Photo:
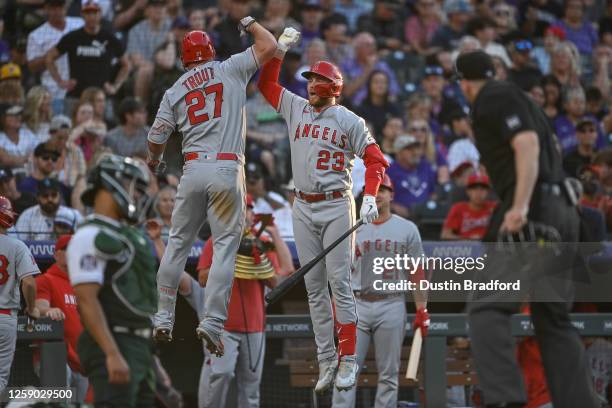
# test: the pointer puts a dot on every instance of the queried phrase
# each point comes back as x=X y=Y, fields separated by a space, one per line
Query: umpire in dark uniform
x=520 y=152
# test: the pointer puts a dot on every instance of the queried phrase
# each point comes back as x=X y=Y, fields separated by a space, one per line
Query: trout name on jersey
x=198 y=78
x=306 y=130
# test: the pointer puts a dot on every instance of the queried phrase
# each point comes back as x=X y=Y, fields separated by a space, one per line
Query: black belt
x=550 y=188
x=145 y=332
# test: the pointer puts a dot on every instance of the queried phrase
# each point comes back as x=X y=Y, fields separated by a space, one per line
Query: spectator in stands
x=584 y=152
x=127 y=14
x=56 y=300
x=130 y=138
x=542 y=54
x=337 y=42
x=501 y=69
x=16 y=141
x=420 y=129
x=412 y=175
x=596 y=105
x=289 y=77
x=164 y=204
x=536 y=93
x=357 y=70
x=266 y=136
x=552 y=96
x=64 y=225
x=44 y=161
x=37 y=112
x=97 y=99
x=8 y=188
x=600 y=76
x=265 y=202
x=418 y=106
x=457 y=14
x=536 y=16
x=470 y=219
x=352 y=10
x=88 y=134
x=91 y=63
x=577 y=28
x=421 y=27
x=483 y=29
x=228 y=40
x=605 y=26
x=385 y=22
x=377 y=107
x=276 y=16
x=565 y=64
x=197 y=19
x=392 y=129
x=574 y=103
x=593 y=193
x=143 y=39
x=45 y=37
x=244 y=336
x=505 y=22
x=311 y=16
x=523 y=71
x=36 y=223
x=11 y=91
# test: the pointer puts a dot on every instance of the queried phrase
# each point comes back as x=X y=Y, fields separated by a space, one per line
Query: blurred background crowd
x=80 y=78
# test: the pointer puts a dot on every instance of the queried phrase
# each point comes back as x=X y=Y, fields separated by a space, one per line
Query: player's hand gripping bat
x=280 y=290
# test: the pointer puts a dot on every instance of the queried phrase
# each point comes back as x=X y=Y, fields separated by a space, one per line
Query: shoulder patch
x=513 y=122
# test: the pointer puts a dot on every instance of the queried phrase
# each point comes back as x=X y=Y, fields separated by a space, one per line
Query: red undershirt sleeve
x=268 y=82
x=375 y=164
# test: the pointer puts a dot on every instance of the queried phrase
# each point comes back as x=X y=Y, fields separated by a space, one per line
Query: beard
x=49 y=208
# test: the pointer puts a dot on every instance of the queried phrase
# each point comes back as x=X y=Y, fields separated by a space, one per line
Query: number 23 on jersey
x=196 y=103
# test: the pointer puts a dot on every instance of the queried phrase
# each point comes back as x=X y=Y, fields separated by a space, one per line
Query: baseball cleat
x=211 y=339
x=162 y=326
x=327 y=373
x=347 y=373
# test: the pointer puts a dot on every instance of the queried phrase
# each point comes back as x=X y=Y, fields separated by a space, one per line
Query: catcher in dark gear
x=112 y=268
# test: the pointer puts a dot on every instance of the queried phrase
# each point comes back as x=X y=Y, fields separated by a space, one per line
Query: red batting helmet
x=7 y=216
x=386 y=182
x=197 y=47
x=328 y=71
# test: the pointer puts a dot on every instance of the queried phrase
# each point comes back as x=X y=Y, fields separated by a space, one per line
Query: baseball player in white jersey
x=17 y=267
x=206 y=104
x=325 y=138
x=382 y=314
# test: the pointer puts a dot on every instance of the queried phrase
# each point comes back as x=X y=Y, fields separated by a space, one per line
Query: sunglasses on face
x=523 y=45
x=47 y=157
x=434 y=71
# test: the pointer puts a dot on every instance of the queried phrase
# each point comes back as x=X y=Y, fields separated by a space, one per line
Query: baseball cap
x=457 y=168
x=474 y=65
x=404 y=141
x=311 y=5
x=523 y=45
x=90 y=5
x=253 y=172
x=42 y=149
x=65 y=219
x=62 y=242
x=478 y=179
x=457 y=6
x=556 y=31
x=585 y=121
x=10 y=71
x=8 y=109
x=249 y=201
x=5 y=174
x=48 y=184
x=60 y=122
x=387 y=183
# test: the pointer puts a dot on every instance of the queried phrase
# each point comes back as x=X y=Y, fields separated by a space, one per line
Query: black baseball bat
x=280 y=290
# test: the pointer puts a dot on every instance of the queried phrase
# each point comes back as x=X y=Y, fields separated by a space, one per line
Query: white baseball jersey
x=16 y=262
x=323 y=144
x=396 y=236
x=207 y=105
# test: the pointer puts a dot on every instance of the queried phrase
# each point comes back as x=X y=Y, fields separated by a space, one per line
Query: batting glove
x=244 y=24
x=421 y=321
x=369 y=212
x=288 y=39
x=156 y=166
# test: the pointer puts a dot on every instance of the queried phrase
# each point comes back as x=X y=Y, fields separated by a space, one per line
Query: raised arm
x=265 y=43
x=268 y=78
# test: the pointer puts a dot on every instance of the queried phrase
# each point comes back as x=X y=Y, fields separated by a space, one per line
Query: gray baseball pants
x=243 y=359
x=212 y=190
x=315 y=226
x=384 y=323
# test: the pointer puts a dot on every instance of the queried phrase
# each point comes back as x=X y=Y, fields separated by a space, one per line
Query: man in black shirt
x=93 y=53
x=583 y=154
x=520 y=152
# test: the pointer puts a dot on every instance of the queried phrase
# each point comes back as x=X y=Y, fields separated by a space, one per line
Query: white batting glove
x=244 y=24
x=288 y=39
x=369 y=211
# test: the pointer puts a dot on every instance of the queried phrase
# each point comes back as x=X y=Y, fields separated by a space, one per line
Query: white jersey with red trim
x=323 y=144
x=16 y=262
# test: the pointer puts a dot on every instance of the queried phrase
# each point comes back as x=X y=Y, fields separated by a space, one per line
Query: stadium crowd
x=83 y=78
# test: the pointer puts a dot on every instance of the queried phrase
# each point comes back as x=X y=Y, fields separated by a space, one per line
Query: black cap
x=474 y=65
x=253 y=172
x=585 y=121
x=43 y=149
x=48 y=184
x=5 y=173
